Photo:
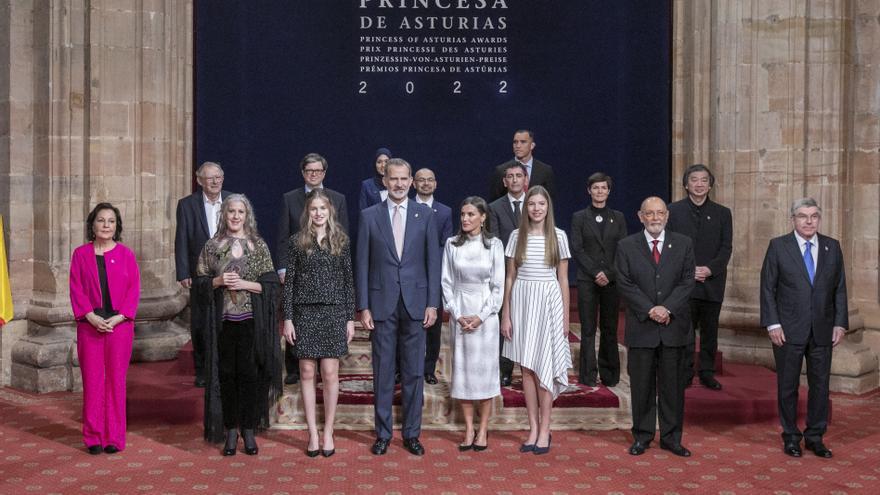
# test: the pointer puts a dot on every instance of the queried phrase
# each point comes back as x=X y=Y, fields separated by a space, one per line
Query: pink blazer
x=123 y=278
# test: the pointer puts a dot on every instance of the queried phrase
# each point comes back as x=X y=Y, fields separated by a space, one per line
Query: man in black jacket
x=595 y=232
x=710 y=227
x=197 y=218
x=538 y=172
x=314 y=170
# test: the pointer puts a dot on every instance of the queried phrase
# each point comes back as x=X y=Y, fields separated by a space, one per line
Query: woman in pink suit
x=104 y=294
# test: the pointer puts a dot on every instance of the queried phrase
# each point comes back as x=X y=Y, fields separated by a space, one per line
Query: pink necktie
x=397 y=228
x=656 y=252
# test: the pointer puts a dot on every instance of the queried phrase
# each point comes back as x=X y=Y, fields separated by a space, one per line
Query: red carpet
x=583 y=396
x=41 y=452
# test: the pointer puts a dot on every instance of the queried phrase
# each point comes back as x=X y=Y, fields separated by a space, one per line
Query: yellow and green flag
x=5 y=290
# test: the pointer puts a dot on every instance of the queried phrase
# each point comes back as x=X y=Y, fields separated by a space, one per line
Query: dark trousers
x=432 y=343
x=789 y=358
x=197 y=333
x=291 y=362
x=593 y=299
x=655 y=380
x=238 y=374
x=403 y=336
x=704 y=314
x=504 y=364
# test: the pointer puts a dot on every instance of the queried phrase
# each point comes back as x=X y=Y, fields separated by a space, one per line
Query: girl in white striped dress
x=535 y=316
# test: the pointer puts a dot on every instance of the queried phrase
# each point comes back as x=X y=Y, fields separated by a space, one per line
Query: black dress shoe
x=250 y=442
x=676 y=449
x=610 y=383
x=527 y=447
x=291 y=379
x=793 y=449
x=414 y=446
x=506 y=381
x=710 y=382
x=94 y=449
x=381 y=446
x=200 y=382
x=110 y=449
x=430 y=378
x=819 y=449
x=480 y=448
x=313 y=453
x=328 y=453
x=543 y=450
x=590 y=382
x=638 y=448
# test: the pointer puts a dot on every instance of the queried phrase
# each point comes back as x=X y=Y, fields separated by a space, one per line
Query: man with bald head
x=425 y=184
x=655 y=277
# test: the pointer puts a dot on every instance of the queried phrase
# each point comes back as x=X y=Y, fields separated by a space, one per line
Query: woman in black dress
x=319 y=309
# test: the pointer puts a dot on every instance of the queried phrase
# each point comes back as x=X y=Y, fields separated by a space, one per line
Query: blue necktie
x=808 y=261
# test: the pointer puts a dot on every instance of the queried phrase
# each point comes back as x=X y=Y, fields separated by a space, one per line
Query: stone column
x=111 y=107
x=764 y=93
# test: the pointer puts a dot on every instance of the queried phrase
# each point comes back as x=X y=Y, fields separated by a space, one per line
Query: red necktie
x=656 y=252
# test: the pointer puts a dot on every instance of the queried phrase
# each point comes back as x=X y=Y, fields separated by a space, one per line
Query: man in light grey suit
x=504 y=214
x=398 y=293
x=804 y=308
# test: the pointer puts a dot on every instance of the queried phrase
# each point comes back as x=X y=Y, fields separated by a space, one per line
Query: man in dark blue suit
x=425 y=184
x=197 y=217
x=804 y=308
x=398 y=293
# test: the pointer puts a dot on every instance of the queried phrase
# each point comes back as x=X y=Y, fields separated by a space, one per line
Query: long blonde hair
x=336 y=238
x=551 y=245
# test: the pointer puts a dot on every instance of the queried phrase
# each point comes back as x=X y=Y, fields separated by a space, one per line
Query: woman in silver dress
x=473 y=288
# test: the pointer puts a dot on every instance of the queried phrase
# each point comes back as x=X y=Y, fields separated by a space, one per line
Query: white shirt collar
x=403 y=204
x=650 y=239
x=309 y=189
x=209 y=202
x=429 y=202
x=527 y=163
x=521 y=198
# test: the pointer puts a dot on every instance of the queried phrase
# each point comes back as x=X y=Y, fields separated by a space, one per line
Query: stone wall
x=780 y=99
x=96 y=106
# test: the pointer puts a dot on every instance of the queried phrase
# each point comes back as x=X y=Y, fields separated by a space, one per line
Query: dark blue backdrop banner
x=443 y=84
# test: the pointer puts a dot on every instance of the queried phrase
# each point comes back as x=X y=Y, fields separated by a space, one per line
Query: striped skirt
x=539 y=342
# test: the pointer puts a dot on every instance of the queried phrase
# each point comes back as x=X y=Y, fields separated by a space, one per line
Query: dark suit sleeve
x=362 y=265
x=678 y=300
x=841 y=308
x=446 y=230
x=495 y=224
x=434 y=264
x=585 y=263
x=769 y=282
x=550 y=183
x=636 y=300
x=342 y=213
x=718 y=264
x=181 y=244
x=283 y=235
x=363 y=199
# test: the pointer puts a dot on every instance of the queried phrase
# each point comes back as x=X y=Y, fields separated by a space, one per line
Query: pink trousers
x=103 y=362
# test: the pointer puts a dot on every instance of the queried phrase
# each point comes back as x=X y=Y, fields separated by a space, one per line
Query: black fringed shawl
x=267 y=350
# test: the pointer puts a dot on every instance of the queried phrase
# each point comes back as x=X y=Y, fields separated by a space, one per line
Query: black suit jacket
x=501 y=222
x=787 y=298
x=712 y=234
x=288 y=222
x=542 y=175
x=643 y=284
x=594 y=249
x=191 y=233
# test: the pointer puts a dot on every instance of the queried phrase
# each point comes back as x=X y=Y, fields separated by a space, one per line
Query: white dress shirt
x=212 y=213
x=403 y=207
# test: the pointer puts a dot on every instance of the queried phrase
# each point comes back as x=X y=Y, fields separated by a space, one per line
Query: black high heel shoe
x=480 y=448
x=231 y=442
x=543 y=450
x=465 y=448
x=250 y=442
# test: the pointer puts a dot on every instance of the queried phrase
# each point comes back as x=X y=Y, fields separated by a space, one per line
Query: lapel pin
x=611 y=220
x=669 y=246
x=708 y=217
x=417 y=215
x=826 y=248
x=599 y=218
x=114 y=261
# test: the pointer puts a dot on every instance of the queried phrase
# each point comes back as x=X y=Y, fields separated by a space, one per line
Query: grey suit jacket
x=643 y=284
x=501 y=222
x=805 y=311
x=291 y=213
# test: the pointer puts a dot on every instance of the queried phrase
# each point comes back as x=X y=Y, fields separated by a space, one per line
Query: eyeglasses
x=313 y=171
x=216 y=178
x=422 y=180
x=654 y=214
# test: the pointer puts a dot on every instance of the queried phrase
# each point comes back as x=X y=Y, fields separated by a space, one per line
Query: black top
x=107 y=311
x=603 y=214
